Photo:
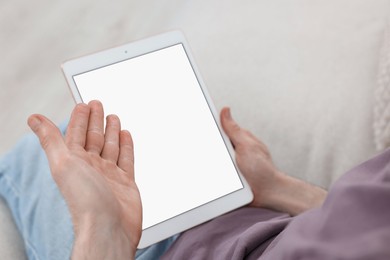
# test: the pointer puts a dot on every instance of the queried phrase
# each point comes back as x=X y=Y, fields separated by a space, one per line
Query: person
x=93 y=168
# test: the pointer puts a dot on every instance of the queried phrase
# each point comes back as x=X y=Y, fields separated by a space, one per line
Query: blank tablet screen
x=181 y=160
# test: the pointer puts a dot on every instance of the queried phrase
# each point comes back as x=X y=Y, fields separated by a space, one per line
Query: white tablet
x=184 y=163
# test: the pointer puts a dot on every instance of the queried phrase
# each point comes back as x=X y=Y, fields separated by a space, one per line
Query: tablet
x=184 y=164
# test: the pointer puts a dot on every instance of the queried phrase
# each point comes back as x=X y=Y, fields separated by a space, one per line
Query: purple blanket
x=353 y=223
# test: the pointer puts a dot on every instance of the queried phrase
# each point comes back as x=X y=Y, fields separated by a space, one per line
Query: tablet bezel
x=197 y=215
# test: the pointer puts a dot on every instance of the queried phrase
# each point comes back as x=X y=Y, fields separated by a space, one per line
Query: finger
x=49 y=136
x=111 y=139
x=126 y=153
x=95 y=132
x=231 y=128
x=238 y=136
x=77 y=127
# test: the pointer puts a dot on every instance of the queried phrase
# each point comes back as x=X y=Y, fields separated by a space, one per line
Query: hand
x=94 y=170
x=271 y=188
x=253 y=159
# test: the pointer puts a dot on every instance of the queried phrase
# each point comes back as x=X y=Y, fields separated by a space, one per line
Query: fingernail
x=228 y=114
x=34 y=122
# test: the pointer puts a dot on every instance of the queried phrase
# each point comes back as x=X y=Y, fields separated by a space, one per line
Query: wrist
x=291 y=195
x=270 y=195
x=101 y=238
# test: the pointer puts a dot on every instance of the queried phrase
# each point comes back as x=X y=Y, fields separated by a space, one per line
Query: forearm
x=101 y=239
x=293 y=196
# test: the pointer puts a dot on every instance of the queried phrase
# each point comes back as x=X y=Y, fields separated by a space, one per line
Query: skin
x=271 y=188
x=94 y=170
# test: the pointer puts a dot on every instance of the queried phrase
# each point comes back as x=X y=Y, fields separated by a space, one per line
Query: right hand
x=271 y=188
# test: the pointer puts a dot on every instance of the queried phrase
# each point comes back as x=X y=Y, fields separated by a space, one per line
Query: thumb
x=49 y=136
x=231 y=128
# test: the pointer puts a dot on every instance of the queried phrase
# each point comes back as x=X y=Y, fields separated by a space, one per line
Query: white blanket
x=382 y=97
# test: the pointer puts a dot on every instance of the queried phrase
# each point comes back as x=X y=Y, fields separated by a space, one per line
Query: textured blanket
x=382 y=98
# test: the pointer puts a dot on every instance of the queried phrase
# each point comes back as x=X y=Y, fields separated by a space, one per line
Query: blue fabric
x=38 y=207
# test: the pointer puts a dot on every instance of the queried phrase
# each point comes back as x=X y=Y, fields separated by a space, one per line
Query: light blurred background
x=300 y=74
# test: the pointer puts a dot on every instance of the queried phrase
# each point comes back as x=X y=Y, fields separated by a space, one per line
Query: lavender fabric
x=353 y=223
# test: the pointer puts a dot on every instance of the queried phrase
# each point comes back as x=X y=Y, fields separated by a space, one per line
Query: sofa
x=306 y=77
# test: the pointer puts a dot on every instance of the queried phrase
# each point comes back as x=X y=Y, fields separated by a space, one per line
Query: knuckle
x=96 y=132
x=236 y=128
x=45 y=141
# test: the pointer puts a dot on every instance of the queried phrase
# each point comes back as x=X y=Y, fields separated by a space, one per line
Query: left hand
x=94 y=170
